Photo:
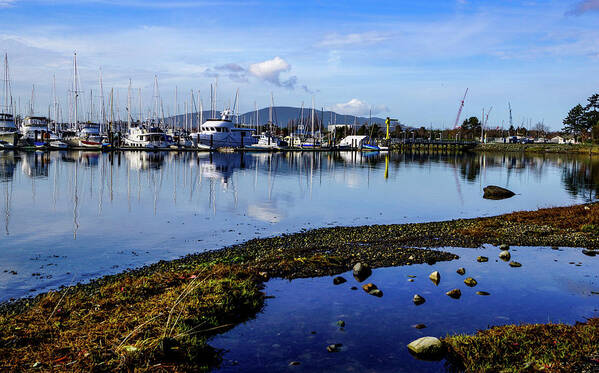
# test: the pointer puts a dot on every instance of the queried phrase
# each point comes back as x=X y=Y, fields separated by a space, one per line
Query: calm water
x=300 y=321
x=71 y=216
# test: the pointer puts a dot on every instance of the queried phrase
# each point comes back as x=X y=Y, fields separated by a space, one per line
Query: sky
x=410 y=60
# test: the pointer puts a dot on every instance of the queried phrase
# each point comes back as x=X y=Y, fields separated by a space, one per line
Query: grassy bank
x=540 y=148
x=161 y=317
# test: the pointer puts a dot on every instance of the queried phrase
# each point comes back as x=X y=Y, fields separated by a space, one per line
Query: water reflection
x=92 y=206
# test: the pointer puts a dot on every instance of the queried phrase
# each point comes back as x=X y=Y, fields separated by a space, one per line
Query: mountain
x=283 y=115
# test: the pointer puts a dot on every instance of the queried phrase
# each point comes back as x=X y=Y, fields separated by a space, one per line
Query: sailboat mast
x=102 y=105
x=75 y=92
x=129 y=106
x=55 y=103
x=140 y=113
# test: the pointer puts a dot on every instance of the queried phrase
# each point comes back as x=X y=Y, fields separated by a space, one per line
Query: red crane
x=457 y=120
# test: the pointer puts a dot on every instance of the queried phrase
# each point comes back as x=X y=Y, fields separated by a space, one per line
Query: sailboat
x=266 y=140
x=9 y=135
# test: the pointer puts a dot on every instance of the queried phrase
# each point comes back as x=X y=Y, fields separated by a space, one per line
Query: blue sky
x=409 y=59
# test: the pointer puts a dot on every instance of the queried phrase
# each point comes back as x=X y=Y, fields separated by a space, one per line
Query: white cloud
x=270 y=71
x=365 y=38
x=357 y=107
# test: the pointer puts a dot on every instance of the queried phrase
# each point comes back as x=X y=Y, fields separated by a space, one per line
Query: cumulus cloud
x=358 y=107
x=271 y=70
x=365 y=38
x=585 y=6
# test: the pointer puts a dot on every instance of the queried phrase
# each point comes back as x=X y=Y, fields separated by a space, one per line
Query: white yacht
x=34 y=130
x=8 y=130
x=90 y=137
x=266 y=141
x=222 y=133
x=148 y=138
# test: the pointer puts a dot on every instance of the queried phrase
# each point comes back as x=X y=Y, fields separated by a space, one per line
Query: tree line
x=583 y=121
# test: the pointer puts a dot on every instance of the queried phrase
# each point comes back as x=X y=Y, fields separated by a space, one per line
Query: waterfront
x=73 y=216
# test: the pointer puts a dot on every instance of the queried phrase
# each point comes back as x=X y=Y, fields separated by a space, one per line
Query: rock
x=496 y=192
x=515 y=264
x=482 y=259
x=554 y=248
x=461 y=271
x=418 y=300
x=482 y=293
x=411 y=257
x=341 y=323
x=362 y=271
x=410 y=280
x=589 y=252
x=293 y=363
x=505 y=255
x=426 y=348
x=37 y=364
x=411 y=276
x=470 y=282
x=334 y=347
x=130 y=349
x=504 y=247
x=419 y=326
x=369 y=287
x=376 y=293
x=354 y=288
x=455 y=293
x=264 y=275
x=435 y=277
x=339 y=280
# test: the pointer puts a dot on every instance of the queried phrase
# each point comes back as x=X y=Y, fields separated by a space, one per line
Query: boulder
x=426 y=348
x=455 y=293
x=461 y=271
x=470 y=282
x=435 y=277
x=339 y=280
x=369 y=287
x=362 y=271
x=418 y=300
x=589 y=252
x=496 y=192
x=505 y=255
x=515 y=264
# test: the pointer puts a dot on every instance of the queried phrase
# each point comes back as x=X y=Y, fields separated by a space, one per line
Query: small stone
x=334 y=347
x=293 y=363
x=515 y=264
x=482 y=259
x=264 y=275
x=339 y=280
x=461 y=271
x=482 y=293
x=362 y=271
x=410 y=280
x=435 y=277
x=36 y=364
x=376 y=292
x=589 y=252
x=130 y=349
x=341 y=323
x=426 y=348
x=504 y=247
x=455 y=293
x=470 y=282
x=411 y=257
x=354 y=288
x=419 y=326
x=368 y=287
x=505 y=255
x=418 y=300
x=411 y=276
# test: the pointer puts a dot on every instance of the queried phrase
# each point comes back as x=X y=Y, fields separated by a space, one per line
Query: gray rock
x=339 y=280
x=418 y=300
x=426 y=348
x=461 y=271
x=505 y=255
x=496 y=192
x=470 y=282
x=362 y=271
x=435 y=277
x=455 y=293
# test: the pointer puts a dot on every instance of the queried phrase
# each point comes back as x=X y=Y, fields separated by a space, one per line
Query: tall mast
x=176 y=109
x=129 y=106
x=75 y=92
x=6 y=88
x=155 y=113
x=102 y=106
x=111 y=108
x=312 y=118
x=256 y=108
x=201 y=111
x=272 y=99
x=457 y=119
x=55 y=102
x=140 y=113
x=32 y=102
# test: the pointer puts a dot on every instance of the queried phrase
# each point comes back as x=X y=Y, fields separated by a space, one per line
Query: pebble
x=505 y=255
x=419 y=326
x=482 y=293
x=515 y=264
x=418 y=300
x=369 y=287
x=461 y=271
x=339 y=280
x=470 y=282
x=455 y=293
x=482 y=259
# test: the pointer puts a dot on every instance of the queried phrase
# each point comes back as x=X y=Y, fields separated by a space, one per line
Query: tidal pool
x=301 y=320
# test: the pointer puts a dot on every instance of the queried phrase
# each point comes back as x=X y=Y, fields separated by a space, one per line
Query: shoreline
x=161 y=316
x=588 y=149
